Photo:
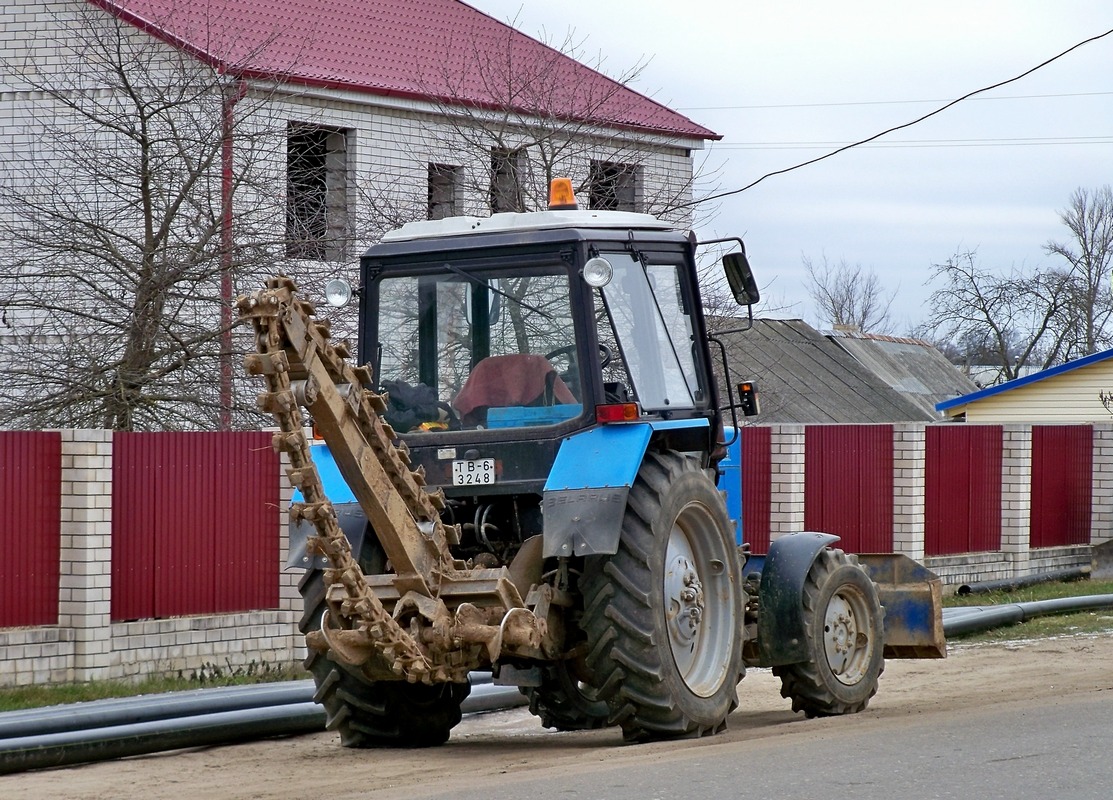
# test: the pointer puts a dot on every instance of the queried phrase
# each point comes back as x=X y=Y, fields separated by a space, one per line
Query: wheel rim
x=846 y=639
x=699 y=600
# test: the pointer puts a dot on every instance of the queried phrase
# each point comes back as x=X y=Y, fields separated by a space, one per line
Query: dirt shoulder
x=485 y=747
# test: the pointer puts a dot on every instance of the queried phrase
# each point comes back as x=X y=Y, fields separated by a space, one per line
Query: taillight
x=617 y=412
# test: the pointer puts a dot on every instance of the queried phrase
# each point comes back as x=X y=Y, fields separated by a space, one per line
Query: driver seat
x=512 y=380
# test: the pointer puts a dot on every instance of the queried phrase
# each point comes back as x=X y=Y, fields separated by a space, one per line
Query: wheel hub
x=698 y=602
x=685 y=598
x=847 y=646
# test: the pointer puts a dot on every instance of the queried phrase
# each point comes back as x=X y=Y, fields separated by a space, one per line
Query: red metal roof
x=439 y=50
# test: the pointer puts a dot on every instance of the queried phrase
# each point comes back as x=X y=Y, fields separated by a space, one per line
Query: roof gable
x=805 y=377
x=1016 y=383
x=438 y=50
x=912 y=367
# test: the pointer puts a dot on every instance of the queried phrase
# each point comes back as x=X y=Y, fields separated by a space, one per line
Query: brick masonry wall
x=787 y=480
x=909 y=459
x=86 y=645
x=1101 y=516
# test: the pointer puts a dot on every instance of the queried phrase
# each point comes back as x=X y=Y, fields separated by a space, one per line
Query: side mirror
x=741 y=279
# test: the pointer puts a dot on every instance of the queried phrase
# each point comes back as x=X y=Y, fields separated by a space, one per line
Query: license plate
x=480 y=472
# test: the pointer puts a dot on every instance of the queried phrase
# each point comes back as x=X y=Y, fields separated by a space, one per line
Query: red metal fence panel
x=1062 y=475
x=194 y=524
x=848 y=484
x=30 y=527
x=757 y=449
x=962 y=489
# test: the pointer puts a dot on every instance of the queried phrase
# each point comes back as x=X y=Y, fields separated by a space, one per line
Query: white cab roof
x=532 y=220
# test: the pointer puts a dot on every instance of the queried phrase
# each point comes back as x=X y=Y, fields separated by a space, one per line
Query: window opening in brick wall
x=444 y=187
x=507 y=170
x=613 y=187
x=316 y=192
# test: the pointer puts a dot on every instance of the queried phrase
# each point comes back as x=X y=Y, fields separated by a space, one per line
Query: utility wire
x=882 y=102
x=997 y=142
x=887 y=131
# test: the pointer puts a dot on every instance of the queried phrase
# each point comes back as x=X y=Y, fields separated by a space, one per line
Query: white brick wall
x=1016 y=495
x=85 y=601
x=1101 y=519
x=786 y=483
x=909 y=454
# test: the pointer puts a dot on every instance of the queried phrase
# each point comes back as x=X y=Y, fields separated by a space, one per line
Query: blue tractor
x=521 y=477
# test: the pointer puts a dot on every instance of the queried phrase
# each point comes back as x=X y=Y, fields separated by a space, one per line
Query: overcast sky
x=784 y=82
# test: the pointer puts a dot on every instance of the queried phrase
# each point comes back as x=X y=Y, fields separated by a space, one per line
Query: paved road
x=1016 y=721
x=1052 y=749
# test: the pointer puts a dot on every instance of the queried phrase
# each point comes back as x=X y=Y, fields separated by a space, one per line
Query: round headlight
x=598 y=272
x=338 y=293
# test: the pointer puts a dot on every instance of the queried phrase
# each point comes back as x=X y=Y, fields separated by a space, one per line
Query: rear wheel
x=375 y=713
x=663 y=614
x=843 y=620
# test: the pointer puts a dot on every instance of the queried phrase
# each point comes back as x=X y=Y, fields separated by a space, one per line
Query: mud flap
x=781 y=634
x=912 y=596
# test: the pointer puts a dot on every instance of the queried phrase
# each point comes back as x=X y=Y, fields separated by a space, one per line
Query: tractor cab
x=497 y=338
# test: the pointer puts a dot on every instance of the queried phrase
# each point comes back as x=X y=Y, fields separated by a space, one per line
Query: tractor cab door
x=647 y=333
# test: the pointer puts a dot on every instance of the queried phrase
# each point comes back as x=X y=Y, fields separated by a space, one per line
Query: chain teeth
x=278 y=362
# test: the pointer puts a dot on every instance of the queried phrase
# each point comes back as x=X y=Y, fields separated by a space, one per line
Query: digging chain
x=287 y=338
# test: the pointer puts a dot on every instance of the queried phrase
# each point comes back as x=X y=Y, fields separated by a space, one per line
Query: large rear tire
x=663 y=615
x=844 y=625
x=375 y=713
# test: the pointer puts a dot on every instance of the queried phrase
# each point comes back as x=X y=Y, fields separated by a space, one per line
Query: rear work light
x=617 y=412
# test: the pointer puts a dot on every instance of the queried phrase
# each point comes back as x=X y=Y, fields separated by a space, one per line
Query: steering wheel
x=570 y=352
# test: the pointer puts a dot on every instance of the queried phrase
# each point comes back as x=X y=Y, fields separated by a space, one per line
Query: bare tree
x=1089 y=258
x=848 y=296
x=1007 y=322
x=1032 y=317
x=117 y=263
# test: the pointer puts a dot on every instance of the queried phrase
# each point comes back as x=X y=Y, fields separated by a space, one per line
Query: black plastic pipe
x=168 y=705
x=958 y=621
x=99 y=744
x=150 y=708
x=225 y=727
x=1007 y=584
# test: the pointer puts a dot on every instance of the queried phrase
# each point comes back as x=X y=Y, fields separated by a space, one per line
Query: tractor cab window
x=467 y=350
x=644 y=319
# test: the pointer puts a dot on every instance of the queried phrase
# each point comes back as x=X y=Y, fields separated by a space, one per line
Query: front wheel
x=375 y=713
x=565 y=702
x=844 y=626
x=663 y=615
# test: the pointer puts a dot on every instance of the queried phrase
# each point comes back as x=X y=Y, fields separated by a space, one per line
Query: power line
x=884 y=102
x=887 y=131
x=1000 y=142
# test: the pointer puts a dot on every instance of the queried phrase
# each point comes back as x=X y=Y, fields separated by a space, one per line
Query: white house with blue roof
x=1067 y=393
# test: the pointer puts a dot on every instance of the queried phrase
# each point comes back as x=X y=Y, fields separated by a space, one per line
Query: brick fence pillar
x=786 y=480
x=1101 y=513
x=85 y=599
x=909 y=459
x=1016 y=496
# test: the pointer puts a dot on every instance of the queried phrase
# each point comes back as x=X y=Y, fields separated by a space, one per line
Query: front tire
x=375 y=713
x=844 y=625
x=564 y=702
x=663 y=615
